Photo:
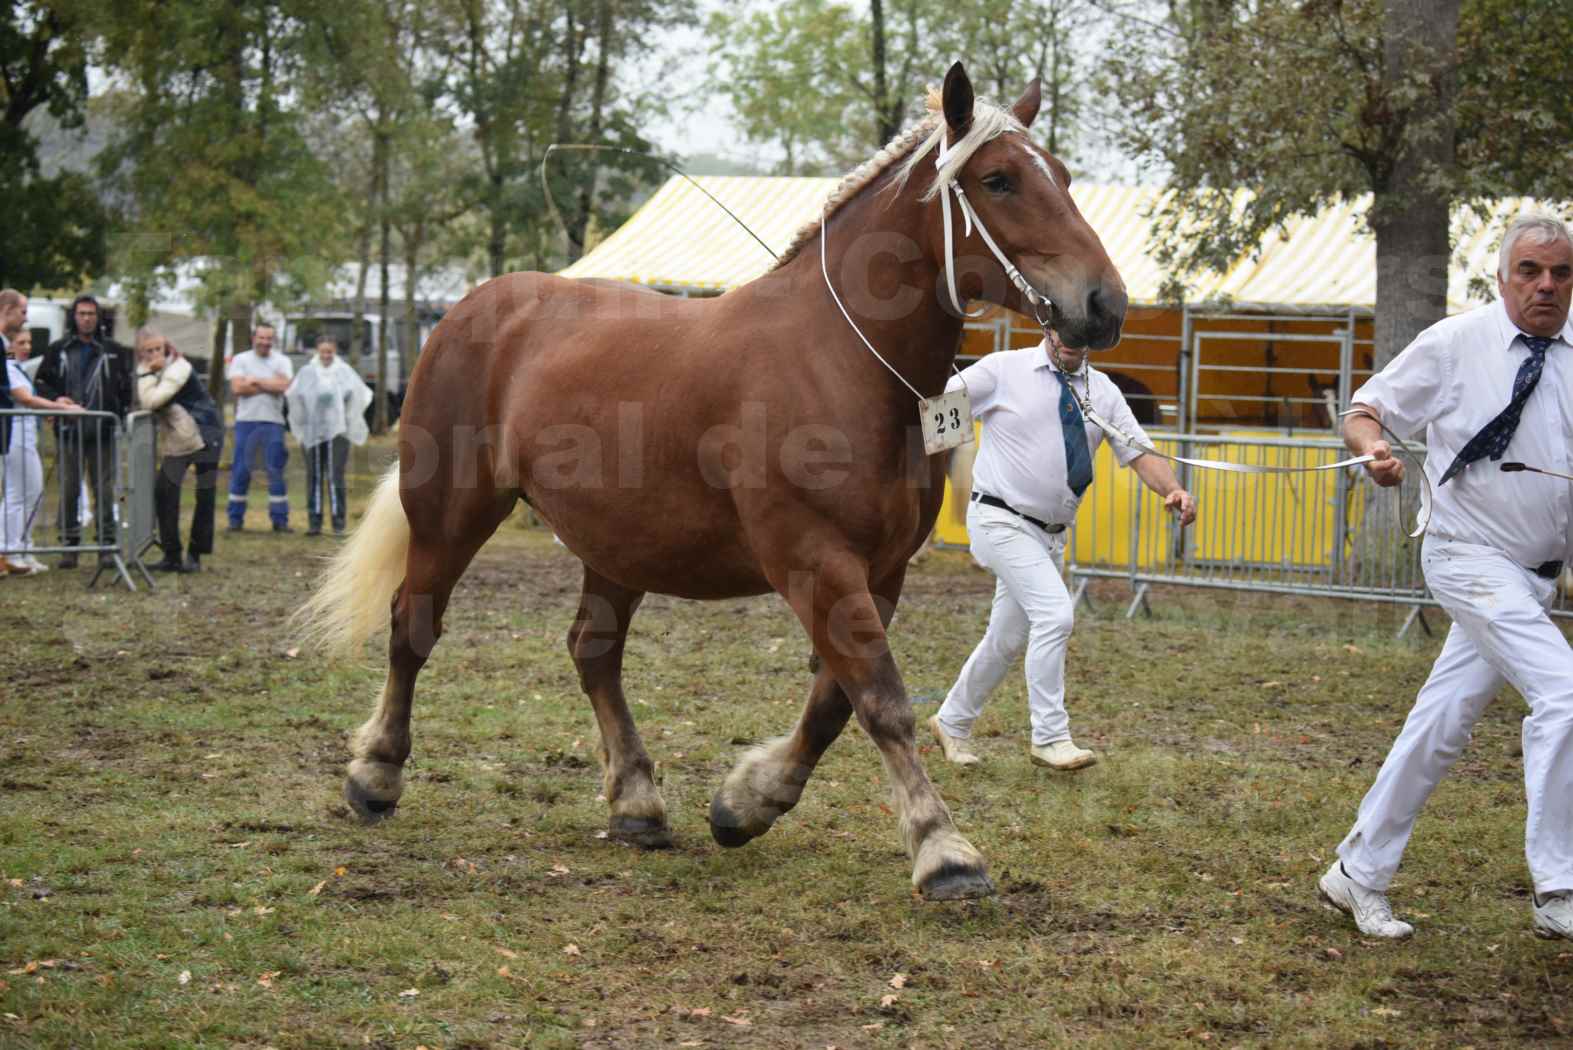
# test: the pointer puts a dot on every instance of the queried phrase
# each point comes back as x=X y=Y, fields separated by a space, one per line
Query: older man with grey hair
x=1493 y=381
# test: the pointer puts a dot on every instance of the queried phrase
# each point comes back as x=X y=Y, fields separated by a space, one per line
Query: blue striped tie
x=1494 y=436
x=1078 y=461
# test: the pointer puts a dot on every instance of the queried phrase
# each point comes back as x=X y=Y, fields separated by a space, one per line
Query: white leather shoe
x=955 y=748
x=1370 y=910
x=1063 y=755
x=1554 y=915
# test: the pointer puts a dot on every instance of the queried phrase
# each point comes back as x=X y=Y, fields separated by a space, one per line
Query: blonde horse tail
x=354 y=599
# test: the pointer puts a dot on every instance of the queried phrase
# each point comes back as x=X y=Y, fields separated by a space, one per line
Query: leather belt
x=994 y=501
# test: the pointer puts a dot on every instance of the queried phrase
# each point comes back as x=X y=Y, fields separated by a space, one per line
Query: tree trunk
x=362 y=272
x=408 y=346
x=1410 y=215
x=218 y=384
x=603 y=66
x=886 y=129
x=496 y=244
x=379 y=419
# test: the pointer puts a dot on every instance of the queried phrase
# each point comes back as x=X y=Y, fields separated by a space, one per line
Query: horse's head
x=1021 y=193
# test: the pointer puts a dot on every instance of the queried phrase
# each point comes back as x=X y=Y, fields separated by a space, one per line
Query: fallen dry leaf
x=317 y=888
x=507 y=953
x=340 y=871
x=899 y=981
x=1385 y=1011
x=738 y=1019
x=292 y=653
x=260 y=910
x=699 y=1011
x=1334 y=954
x=876 y=1026
x=266 y=979
x=503 y=971
x=887 y=1001
x=185 y=977
x=409 y=993
x=558 y=870
x=571 y=949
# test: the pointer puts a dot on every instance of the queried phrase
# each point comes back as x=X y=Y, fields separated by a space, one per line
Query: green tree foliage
x=1422 y=104
x=54 y=223
x=527 y=73
x=212 y=152
x=827 y=82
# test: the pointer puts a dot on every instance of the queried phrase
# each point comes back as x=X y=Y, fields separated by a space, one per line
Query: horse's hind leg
x=769 y=779
x=596 y=642
x=381 y=746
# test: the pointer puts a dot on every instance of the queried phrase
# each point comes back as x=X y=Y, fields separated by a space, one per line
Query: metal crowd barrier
x=90 y=494
x=1324 y=534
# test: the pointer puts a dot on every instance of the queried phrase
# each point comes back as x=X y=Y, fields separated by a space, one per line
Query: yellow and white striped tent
x=680 y=240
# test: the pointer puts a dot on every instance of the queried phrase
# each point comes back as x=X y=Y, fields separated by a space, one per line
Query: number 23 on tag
x=947 y=421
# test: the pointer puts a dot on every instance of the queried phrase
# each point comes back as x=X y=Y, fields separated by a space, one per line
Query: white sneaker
x=1554 y=915
x=955 y=748
x=1370 y=910
x=1063 y=755
x=34 y=565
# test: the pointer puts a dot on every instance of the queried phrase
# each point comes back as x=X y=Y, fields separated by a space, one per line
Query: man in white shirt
x=1034 y=464
x=258 y=379
x=1496 y=381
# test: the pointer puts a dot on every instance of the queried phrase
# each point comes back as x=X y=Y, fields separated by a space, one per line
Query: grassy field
x=180 y=871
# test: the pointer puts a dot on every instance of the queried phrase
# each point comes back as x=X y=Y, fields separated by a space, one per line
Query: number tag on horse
x=947 y=421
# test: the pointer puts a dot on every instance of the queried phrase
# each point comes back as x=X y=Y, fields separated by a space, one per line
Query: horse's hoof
x=957 y=882
x=369 y=809
x=642 y=832
x=727 y=828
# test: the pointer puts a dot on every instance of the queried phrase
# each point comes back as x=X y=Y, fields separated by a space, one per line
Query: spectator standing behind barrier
x=1034 y=465
x=327 y=414
x=259 y=377
x=24 y=472
x=87 y=369
x=190 y=433
x=13 y=319
x=1493 y=381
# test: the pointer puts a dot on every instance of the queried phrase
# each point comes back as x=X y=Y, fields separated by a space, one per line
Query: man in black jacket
x=94 y=371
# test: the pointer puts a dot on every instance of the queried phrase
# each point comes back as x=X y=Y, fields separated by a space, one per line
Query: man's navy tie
x=1494 y=436
x=1078 y=461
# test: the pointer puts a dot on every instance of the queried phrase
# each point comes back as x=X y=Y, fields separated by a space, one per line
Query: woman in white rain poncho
x=327 y=414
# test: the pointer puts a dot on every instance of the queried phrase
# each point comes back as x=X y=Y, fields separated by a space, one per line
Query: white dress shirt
x=1451 y=381
x=1016 y=394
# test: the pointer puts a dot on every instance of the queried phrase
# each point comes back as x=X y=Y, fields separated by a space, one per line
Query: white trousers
x=1501 y=633
x=1032 y=613
x=24 y=487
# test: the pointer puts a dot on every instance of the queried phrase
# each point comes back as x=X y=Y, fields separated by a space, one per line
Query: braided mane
x=988 y=122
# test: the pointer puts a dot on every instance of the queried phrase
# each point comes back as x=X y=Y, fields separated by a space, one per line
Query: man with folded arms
x=1495 y=381
x=1034 y=464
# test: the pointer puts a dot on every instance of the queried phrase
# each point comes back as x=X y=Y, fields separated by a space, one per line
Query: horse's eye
x=997 y=183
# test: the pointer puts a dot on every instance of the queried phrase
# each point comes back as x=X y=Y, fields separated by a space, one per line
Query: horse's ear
x=958 y=101
x=1026 y=107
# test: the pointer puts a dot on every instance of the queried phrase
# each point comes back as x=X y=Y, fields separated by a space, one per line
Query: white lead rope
x=1422 y=517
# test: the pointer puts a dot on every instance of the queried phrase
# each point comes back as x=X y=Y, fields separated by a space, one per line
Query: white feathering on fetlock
x=761 y=787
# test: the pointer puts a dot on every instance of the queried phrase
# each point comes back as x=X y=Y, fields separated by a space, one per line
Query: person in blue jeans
x=258 y=379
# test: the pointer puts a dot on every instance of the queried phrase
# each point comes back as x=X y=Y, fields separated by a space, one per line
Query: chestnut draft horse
x=716 y=448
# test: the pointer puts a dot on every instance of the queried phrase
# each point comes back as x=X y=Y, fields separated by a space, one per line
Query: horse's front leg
x=596 y=641
x=847 y=626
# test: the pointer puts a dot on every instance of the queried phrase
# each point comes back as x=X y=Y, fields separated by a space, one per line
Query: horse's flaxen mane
x=988 y=121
